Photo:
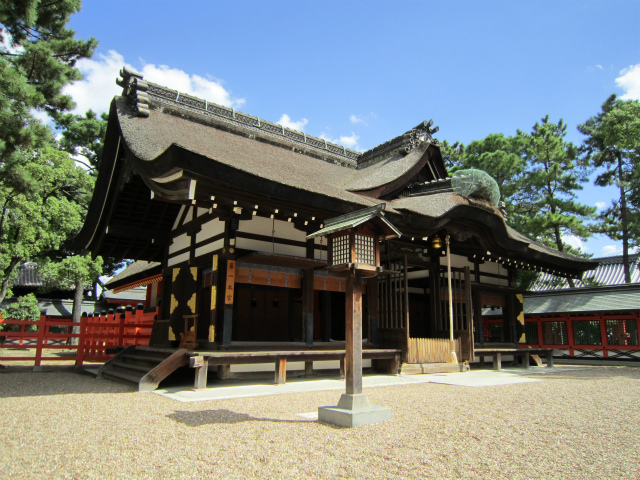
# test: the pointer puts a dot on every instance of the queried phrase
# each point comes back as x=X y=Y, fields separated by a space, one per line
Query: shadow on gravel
x=210 y=417
x=17 y=381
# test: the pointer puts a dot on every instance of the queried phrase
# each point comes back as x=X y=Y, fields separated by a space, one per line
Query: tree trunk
x=624 y=222
x=6 y=275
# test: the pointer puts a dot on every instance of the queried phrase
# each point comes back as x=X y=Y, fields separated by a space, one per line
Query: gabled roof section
x=355 y=219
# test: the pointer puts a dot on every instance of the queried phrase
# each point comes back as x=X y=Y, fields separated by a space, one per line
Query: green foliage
x=452 y=155
x=25 y=308
x=553 y=176
x=613 y=147
x=84 y=135
x=71 y=271
x=37 y=60
x=37 y=218
x=524 y=279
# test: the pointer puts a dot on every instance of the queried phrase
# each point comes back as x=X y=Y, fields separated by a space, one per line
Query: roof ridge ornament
x=134 y=88
x=403 y=144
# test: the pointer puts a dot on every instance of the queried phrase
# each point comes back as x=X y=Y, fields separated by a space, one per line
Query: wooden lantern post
x=354 y=248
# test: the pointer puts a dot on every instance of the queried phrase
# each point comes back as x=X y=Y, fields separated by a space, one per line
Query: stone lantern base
x=353 y=410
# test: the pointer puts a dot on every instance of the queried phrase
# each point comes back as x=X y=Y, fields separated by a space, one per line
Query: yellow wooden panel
x=174 y=303
x=192 y=303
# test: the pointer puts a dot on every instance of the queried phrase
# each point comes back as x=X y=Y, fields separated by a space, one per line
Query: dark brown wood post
x=374 y=305
x=434 y=293
x=326 y=316
x=353 y=335
x=307 y=306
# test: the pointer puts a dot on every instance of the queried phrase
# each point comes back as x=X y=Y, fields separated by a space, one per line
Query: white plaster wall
x=496 y=269
x=260 y=246
x=265 y=226
x=457 y=261
x=210 y=229
x=202 y=211
x=178 y=217
x=180 y=258
x=189 y=216
x=180 y=242
x=211 y=247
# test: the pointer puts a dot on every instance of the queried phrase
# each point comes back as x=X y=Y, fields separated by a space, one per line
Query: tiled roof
x=28 y=276
x=595 y=299
x=610 y=271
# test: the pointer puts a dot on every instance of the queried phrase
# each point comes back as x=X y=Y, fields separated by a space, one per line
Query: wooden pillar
x=228 y=303
x=211 y=331
x=497 y=361
x=434 y=293
x=231 y=227
x=281 y=371
x=307 y=306
x=326 y=316
x=374 y=305
x=353 y=335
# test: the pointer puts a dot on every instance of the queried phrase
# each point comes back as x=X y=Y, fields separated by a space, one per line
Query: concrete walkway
x=249 y=388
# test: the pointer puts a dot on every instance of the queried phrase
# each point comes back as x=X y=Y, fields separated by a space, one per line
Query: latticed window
x=555 y=333
x=622 y=332
x=341 y=250
x=531 y=332
x=587 y=332
x=365 y=250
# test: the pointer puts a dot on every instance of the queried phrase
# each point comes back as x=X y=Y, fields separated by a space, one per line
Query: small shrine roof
x=354 y=219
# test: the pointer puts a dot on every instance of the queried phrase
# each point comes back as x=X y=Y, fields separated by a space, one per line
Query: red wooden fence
x=613 y=336
x=93 y=336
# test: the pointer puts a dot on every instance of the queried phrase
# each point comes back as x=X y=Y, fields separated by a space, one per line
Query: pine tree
x=553 y=177
x=613 y=146
x=37 y=60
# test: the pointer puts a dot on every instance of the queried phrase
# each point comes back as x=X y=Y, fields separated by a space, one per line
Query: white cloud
x=362 y=118
x=573 y=241
x=600 y=205
x=285 y=121
x=209 y=89
x=98 y=87
x=629 y=81
x=610 y=250
x=6 y=43
x=600 y=67
x=350 y=141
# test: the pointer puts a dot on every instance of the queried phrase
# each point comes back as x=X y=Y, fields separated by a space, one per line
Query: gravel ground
x=580 y=423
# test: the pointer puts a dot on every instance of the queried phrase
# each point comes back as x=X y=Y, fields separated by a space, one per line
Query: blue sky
x=361 y=72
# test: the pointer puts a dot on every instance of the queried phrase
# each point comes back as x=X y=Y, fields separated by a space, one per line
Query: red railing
x=93 y=335
x=580 y=336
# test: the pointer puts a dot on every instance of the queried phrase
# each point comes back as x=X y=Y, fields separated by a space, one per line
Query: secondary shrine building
x=225 y=202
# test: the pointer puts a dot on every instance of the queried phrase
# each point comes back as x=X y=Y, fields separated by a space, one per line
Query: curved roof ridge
x=141 y=92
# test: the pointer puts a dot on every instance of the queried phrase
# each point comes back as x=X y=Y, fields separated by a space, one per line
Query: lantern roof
x=351 y=220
